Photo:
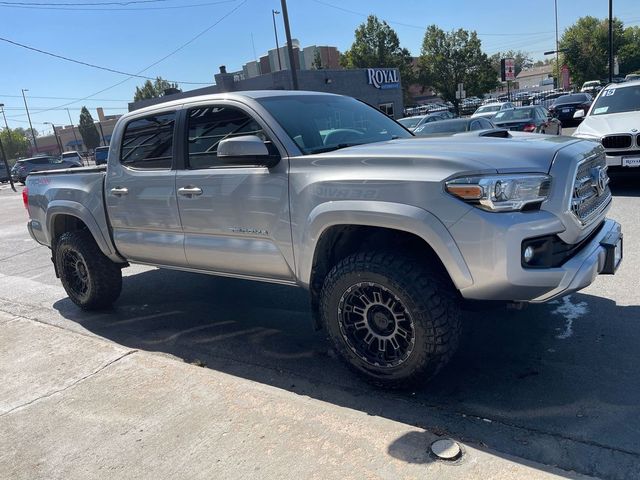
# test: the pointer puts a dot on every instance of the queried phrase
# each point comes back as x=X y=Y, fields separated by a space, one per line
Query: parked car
x=456 y=125
x=489 y=110
x=26 y=166
x=631 y=77
x=73 y=157
x=592 y=87
x=100 y=155
x=411 y=123
x=388 y=233
x=614 y=121
x=528 y=119
x=564 y=107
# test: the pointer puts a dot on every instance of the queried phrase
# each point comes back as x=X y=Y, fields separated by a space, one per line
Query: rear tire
x=91 y=280
x=389 y=318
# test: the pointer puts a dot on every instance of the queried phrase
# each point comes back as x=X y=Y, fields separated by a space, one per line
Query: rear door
x=235 y=214
x=141 y=191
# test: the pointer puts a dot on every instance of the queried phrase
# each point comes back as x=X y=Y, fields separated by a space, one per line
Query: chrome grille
x=591 y=193
x=617 y=141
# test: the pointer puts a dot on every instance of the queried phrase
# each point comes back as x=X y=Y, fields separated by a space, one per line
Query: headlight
x=501 y=193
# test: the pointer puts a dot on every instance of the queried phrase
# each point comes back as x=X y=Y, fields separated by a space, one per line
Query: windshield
x=409 y=122
x=444 y=127
x=321 y=123
x=517 y=114
x=489 y=108
x=617 y=100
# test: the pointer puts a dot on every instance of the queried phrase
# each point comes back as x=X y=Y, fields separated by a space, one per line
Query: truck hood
x=599 y=125
x=521 y=153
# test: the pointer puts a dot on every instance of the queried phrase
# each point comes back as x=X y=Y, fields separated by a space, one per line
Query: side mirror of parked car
x=578 y=114
x=247 y=149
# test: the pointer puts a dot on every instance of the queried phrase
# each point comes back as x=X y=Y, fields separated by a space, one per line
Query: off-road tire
x=430 y=300
x=103 y=279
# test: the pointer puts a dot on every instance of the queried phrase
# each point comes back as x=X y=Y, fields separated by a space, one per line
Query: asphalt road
x=557 y=384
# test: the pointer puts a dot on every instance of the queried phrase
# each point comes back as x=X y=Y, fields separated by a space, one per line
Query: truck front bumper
x=493 y=254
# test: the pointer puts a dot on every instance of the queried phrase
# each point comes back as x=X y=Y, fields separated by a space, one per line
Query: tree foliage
x=26 y=132
x=15 y=143
x=629 y=52
x=88 y=130
x=153 y=89
x=522 y=60
x=586 y=48
x=376 y=45
x=448 y=59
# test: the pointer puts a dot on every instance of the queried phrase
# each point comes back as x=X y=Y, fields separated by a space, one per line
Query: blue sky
x=134 y=37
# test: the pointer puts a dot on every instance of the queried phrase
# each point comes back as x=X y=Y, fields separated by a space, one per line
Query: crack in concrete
x=60 y=390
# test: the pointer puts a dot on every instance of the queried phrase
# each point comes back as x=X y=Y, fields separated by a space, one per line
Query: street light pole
x=557 y=47
x=5 y=117
x=55 y=134
x=33 y=134
x=6 y=165
x=72 y=128
x=275 y=31
x=610 y=41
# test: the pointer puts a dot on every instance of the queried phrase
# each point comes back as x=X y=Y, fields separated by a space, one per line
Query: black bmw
x=565 y=106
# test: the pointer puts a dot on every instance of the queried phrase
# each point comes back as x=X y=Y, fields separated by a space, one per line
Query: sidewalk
x=74 y=406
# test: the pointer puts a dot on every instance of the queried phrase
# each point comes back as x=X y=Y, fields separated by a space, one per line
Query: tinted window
x=39 y=161
x=448 y=126
x=617 y=100
x=211 y=124
x=475 y=125
x=148 y=142
x=320 y=123
x=575 y=98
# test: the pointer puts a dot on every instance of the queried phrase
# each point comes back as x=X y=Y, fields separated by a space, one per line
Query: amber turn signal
x=465 y=192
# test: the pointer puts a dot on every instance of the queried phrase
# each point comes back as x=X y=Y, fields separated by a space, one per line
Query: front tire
x=91 y=280
x=389 y=318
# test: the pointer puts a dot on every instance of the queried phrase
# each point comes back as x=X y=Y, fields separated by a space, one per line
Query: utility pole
x=33 y=133
x=72 y=128
x=6 y=164
x=557 y=48
x=55 y=134
x=102 y=134
x=5 y=117
x=610 y=41
x=275 y=31
x=285 y=17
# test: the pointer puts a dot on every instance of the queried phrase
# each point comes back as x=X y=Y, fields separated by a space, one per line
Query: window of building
x=208 y=126
x=147 y=142
x=386 y=108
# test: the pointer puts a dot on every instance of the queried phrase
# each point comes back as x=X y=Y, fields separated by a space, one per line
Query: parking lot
x=556 y=384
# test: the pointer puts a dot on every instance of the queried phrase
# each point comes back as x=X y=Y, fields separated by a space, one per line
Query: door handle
x=190 y=191
x=119 y=191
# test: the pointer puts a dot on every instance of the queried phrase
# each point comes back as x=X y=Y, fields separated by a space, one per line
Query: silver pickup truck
x=389 y=233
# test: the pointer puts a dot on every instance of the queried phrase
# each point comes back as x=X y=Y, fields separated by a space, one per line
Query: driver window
x=475 y=125
x=208 y=126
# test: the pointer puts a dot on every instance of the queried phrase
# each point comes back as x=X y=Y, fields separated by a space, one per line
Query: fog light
x=528 y=254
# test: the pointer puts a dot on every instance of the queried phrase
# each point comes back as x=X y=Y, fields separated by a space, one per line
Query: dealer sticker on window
x=608 y=93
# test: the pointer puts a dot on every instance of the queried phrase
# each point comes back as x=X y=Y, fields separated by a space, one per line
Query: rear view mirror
x=578 y=114
x=247 y=149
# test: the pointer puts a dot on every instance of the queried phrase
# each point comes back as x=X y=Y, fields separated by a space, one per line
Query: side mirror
x=247 y=149
x=578 y=114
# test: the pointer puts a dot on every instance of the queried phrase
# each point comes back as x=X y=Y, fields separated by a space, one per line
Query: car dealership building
x=379 y=87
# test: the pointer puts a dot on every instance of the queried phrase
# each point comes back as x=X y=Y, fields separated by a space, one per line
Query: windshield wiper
x=336 y=147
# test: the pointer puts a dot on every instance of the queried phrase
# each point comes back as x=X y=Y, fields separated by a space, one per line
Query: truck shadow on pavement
x=556 y=384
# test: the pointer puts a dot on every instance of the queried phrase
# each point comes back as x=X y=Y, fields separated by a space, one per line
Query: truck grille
x=591 y=193
x=617 y=141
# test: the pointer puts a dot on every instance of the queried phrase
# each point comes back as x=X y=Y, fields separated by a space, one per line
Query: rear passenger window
x=211 y=124
x=147 y=143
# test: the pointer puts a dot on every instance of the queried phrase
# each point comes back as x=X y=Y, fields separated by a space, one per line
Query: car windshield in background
x=489 y=108
x=409 y=122
x=617 y=100
x=516 y=114
x=321 y=123
x=576 y=98
x=447 y=126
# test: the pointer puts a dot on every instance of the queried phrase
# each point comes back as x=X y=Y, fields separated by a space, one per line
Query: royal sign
x=383 y=77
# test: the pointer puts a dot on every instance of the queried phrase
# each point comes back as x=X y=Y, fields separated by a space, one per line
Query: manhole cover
x=446 y=449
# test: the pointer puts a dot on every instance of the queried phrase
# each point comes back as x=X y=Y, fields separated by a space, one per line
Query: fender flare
x=390 y=215
x=79 y=211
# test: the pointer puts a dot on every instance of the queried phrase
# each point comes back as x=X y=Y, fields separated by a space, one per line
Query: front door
x=141 y=192
x=235 y=216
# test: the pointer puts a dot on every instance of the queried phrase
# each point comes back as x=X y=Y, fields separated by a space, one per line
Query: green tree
x=629 y=52
x=585 y=47
x=376 y=45
x=522 y=60
x=88 y=130
x=26 y=132
x=317 y=60
x=542 y=63
x=448 y=59
x=15 y=143
x=153 y=89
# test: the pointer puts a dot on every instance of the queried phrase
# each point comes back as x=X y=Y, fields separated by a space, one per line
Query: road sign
x=508 y=69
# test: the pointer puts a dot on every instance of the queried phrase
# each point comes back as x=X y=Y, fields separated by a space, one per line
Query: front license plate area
x=613 y=246
x=631 y=161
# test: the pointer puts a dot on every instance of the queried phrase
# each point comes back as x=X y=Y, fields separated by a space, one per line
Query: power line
x=149 y=66
x=122 y=3
x=111 y=9
x=419 y=27
x=64 y=98
x=86 y=64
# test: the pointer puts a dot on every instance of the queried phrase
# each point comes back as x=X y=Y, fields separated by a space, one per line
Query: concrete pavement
x=74 y=406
